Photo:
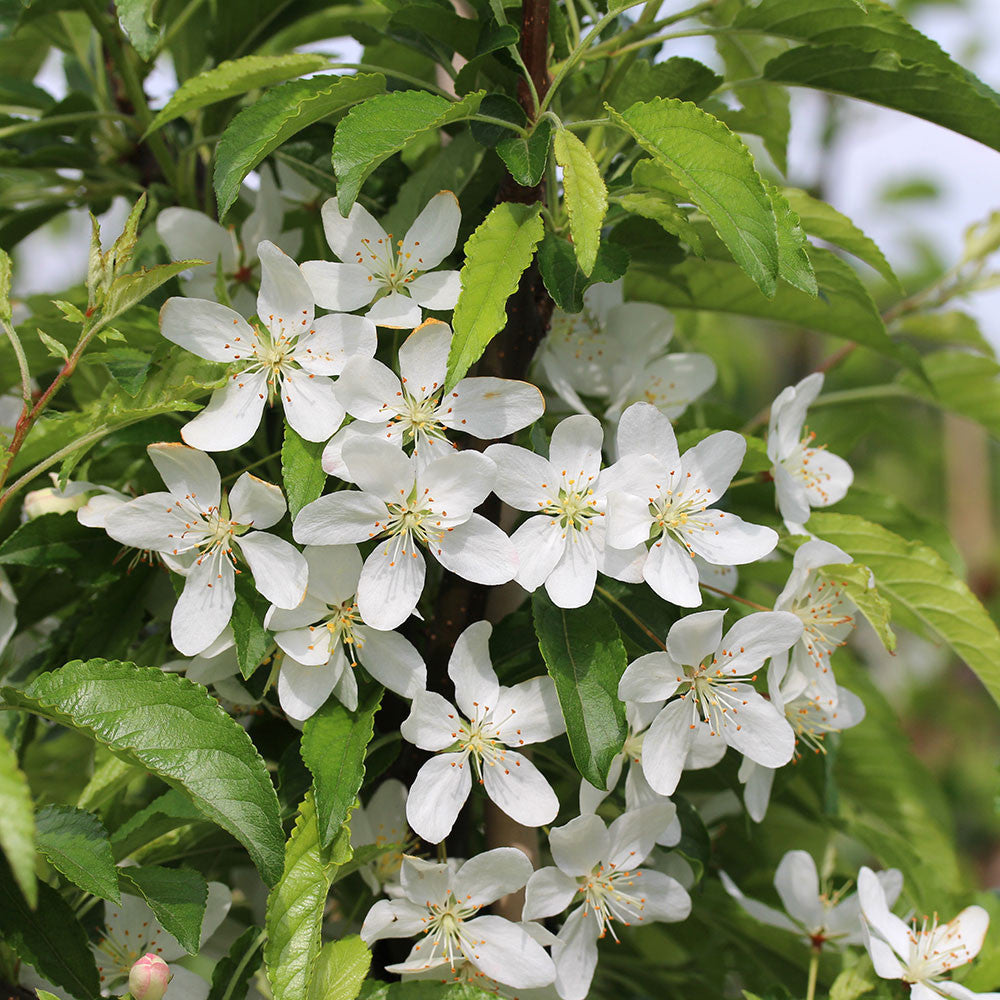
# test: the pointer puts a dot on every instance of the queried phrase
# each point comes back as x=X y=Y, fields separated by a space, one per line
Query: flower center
x=120 y=951
x=387 y=263
x=934 y=950
x=444 y=927
x=611 y=894
x=716 y=698
x=826 y=618
x=805 y=463
x=341 y=626
x=573 y=508
x=207 y=531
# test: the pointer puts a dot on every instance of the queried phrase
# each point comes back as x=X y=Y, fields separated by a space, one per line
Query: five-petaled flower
x=479 y=736
x=599 y=866
x=289 y=356
x=442 y=906
x=393 y=274
x=712 y=675
x=193 y=516
x=381 y=822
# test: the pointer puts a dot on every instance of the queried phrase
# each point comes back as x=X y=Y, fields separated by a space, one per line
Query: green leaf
x=279 y=114
x=76 y=843
x=253 y=641
x=295 y=908
x=680 y=77
x=718 y=173
x=415 y=989
x=665 y=214
x=5 y=281
x=949 y=328
x=794 y=265
x=926 y=595
x=135 y=21
x=53 y=540
x=340 y=970
x=232 y=78
x=301 y=470
x=128 y=367
x=855 y=580
x=496 y=255
x=844 y=307
x=585 y=195
x=49 y=937
x=334 y=743
x=177 y=897
x=175 y=730
x=17 y=822
x=822 y=220
x=167 y=812
x=128 y=290
x=561 y=272
x=526 y=157
x=232 y=974
x=374 y=130
x=585 y=656
x=966 y=384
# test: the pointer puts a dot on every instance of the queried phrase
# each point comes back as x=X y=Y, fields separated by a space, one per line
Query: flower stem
x=813 y=973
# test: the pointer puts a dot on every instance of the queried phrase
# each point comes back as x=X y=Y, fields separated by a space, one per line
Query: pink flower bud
x=148 y=978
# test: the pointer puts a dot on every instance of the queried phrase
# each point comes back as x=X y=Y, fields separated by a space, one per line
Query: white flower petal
x=333 y=340
x=530 y=712
x=188 y=473
x=576 y=446
x=479 y=551
x=438 y=291
x=279 y=570
x=504 y=951
x=393 y=918
x=761 y=913
x=695 y=636
x=339 y=519
x=712 y=463
x=379 y=468
x=629 y=520
x=433 y=234
x=391 y=583
x=437 y=795
x=456 y=483
x=205 y=606
x=633 y=834
x=392 y=660
x=571 y=582
x=670 y=570
x=346 y=689
x=673 y=382
x=148 y=522
x=309 y=645
x=652 y=677
x=188 y=234
x=232 y=415
x=889 y=937
x=576 y=955
x=492 y=874
x=520 y=789
x=757 y=782
x=471 y=671
x=207 y=329
x=579 y=845
x=788 y=414
x=285 y=302
x=334 y=571
x=754 y=638
x=491 y=407
x=757 y=729
x=728 y=539
x=256 y=502
x=311 y=405
x=797 y=882
x=432 y=723
x=423 y=358
x=665 y=746
x=665 y=898
x=524 y=480
x=549 y=891
x=793 y=501
x=398 y=312
x=644 y=430
x=539 y=544
x=304 y=689
x=333 y=453
x=348 y=236
x=369 y=391
x=830 y=478
x=341 y=287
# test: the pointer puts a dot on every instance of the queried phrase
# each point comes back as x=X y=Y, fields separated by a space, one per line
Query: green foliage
x=585 y=656
x=855 y=580
x=17 y=822
x=177 y=897
x=334 y=743
x=585 y=194
x=340 y=970
x=75 y=842
x=280 y=114
x=302 y=472
x=233 y=973
x=525 y=156
x=172 y=728
x=964 y=383
x=252 y=640
x=374 y=130
x=496 y=256
x=561 y=272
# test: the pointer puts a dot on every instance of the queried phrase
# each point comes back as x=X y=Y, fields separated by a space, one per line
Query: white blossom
x=381 y=822
x=441 y=906
x=414 y=409
x=218 y=667
x=820 y=918
x=711 y=676
x=288 y=356
x=674 y=506
x=325 y=637
x=920 y=954
x=478 y=737
x=599 y=866
x=193 y=517
x=188 y=235
x=805 y=475
x=405 y=507
x=399 y=277
x=562 y=545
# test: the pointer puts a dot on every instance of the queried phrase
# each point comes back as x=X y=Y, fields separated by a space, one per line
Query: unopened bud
x=50 y=501
x=148 y=978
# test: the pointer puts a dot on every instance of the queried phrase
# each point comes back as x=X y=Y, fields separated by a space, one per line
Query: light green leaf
x=953 y=328
x=49 y=937
x=175 y=730
x=17 y=822
x=334 y=742
x=177 y=897
x=686 y=79
x=55 y=347
x=232 y=974
x=855 y=581
x=664 y=213
x=585 y=194
x=585 y=656
x=295 y=906
x=374 y=130
x=966 y=384
x=340 y=970
x=794 y=265
x=279 y=114
x=496 y=255
x=926 y=595
x=232 y=78
x=5 y=281
x=128 y=290
x=301 y=470
x=109 y=778
x=717 y=171
x=853 y=983
x=135 y=21
x=76 y=843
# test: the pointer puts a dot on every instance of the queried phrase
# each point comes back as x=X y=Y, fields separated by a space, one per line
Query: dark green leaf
x=680 y=77
x=585 y=656
x=232 y=974
x=54 y=540
x=497 y=106
x=76 y=843
x=128 y=367
x=253 y=642
x=177 y=897
x=561 y=273
x=169 y=811
x=525 y=158
x=301 y=470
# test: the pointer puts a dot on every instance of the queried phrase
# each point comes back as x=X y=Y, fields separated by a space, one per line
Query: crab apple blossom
x=562 y=544
x=707 y=678
x=828 y=615
x=480 y=736
x=920 y=954
x=805 y=476
x=288 y=356
x=381 y=822
x=674 y=507
x=188 y=234
x=820 y=918
x=193 y=517
x=413 y=407
x=325 y=637
x=393 y=275
x=404 y=507
x=598 y=865
x=217 y=667
x=441 y=906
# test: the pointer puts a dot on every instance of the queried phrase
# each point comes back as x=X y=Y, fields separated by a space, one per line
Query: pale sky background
x=877 y=148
